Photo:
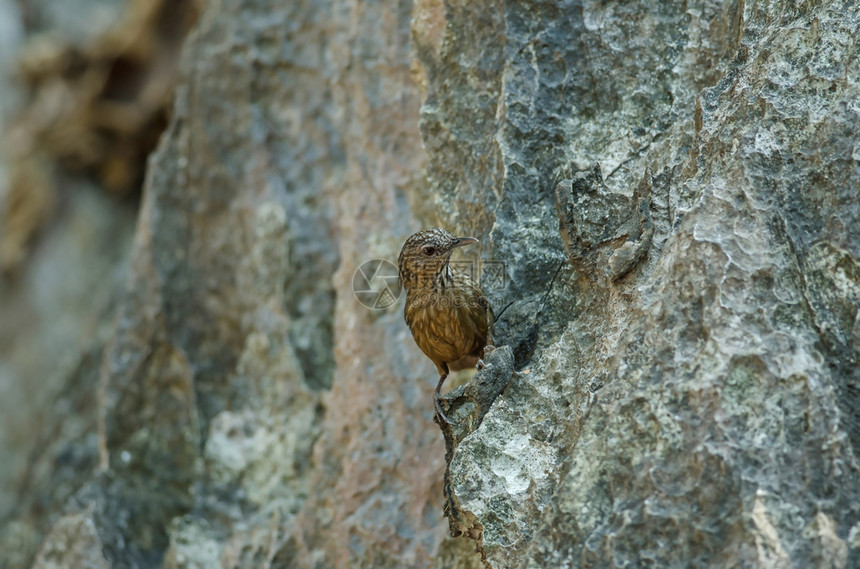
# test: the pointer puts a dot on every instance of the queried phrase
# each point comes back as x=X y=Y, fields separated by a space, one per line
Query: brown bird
x=446 y=311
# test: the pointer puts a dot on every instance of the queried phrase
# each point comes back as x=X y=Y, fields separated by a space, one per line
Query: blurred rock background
x=187 y=380
x=85 y=92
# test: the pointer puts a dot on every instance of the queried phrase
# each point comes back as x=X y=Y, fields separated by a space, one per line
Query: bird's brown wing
x=481 y=319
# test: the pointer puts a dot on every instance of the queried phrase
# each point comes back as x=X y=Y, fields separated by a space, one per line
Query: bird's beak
x=460 y=241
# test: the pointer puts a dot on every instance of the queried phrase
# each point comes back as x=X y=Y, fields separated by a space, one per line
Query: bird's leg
x=437 y=396
x=487 y=351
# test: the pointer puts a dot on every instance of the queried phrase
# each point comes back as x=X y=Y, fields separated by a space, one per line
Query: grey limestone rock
x=673 y=190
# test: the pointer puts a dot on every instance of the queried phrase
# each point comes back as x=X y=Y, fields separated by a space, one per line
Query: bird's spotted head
x=425 y=255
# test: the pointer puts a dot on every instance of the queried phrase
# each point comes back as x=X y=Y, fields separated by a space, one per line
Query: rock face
x=673 y=192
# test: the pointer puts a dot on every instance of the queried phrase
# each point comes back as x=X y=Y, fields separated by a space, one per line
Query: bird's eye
x=429 y=250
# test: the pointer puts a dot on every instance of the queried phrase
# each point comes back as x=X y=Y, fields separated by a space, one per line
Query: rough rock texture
x=673 y=190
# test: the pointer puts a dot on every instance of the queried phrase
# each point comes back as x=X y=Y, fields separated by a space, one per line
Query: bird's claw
x=487 y=351
x=439 y=412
